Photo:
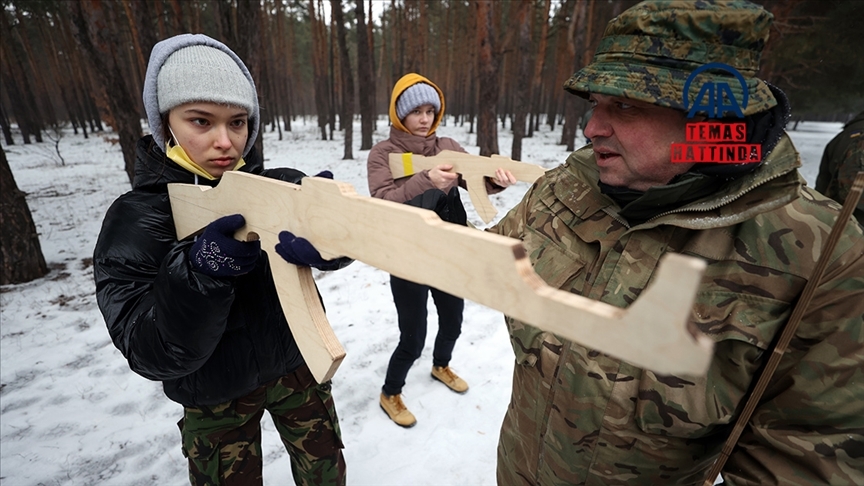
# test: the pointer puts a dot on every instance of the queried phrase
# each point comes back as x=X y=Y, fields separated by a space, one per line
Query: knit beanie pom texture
x=417 y=95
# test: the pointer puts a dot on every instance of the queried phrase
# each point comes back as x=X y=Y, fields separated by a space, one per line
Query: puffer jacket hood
x=404 y=83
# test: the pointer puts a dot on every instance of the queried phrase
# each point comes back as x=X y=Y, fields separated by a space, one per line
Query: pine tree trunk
x=5 y=125
x=577 y=39
x=249 y=49
x=347 y=114
x=523 y=77
x=539 y=63
x=366 y=80
x=487 y=67
x=319 y=69
x=21 y=258
x=95 y=28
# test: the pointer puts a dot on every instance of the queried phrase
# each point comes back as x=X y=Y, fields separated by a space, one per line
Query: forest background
x=500 y=62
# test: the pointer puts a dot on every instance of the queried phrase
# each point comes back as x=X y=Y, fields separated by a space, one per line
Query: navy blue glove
x=286 y=174
x=218 y=254
x=293 y=176
x=298 y=251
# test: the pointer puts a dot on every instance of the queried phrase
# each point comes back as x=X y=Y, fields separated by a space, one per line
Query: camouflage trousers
x=223 y=442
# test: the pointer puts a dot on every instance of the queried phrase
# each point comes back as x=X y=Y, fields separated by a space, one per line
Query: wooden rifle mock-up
x=416 y=245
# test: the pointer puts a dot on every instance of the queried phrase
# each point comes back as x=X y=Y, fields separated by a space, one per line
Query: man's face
x=632 y=141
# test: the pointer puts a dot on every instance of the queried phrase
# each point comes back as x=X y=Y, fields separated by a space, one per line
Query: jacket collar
x=153 y=170
x=412 y=143
x=774 y=184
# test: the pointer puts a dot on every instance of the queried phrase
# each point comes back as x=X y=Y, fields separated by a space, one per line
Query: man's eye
x=624 y=106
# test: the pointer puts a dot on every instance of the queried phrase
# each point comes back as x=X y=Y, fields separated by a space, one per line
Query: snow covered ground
x=72 y=413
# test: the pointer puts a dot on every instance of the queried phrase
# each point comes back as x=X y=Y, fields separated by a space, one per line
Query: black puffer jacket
x=209 y=340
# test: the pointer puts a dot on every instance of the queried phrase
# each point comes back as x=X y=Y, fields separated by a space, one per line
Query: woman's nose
x=223 y=138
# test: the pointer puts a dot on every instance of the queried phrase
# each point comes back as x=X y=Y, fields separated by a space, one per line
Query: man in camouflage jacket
x=598 y=225
x=842 y=160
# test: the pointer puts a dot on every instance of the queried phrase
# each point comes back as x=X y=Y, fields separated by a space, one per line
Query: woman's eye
x=200 y=121
x=238 y=123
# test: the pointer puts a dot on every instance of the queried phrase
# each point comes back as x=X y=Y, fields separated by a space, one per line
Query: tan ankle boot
x=398 y=412
x=445 y=375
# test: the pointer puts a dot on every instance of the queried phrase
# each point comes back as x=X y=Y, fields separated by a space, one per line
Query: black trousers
x=411 y=301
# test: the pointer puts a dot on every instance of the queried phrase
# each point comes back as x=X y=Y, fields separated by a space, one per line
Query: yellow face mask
x=178 y=155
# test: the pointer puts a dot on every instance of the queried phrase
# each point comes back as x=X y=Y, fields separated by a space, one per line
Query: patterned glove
x=298 y=251
x=218 y=254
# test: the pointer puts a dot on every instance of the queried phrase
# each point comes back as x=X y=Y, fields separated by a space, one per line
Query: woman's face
x=212 y=135
x=420 y=120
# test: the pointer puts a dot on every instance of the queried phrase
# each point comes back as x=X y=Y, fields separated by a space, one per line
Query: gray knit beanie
x=194 y=67
x=417 y=95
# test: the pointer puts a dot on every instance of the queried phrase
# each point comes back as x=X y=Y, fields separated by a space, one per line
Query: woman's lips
x=223 y=162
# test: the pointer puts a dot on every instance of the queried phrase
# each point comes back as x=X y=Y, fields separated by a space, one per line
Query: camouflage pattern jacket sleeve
x=842 y=160
x=577 y=416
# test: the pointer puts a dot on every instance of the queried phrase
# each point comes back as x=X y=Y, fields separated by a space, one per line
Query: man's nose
x=597 y=126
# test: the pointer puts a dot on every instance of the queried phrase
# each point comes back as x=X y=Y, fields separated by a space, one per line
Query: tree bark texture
x=487 y=68
x=365 y=78
x=21 y=258
x=95 y=27
x=347 y=112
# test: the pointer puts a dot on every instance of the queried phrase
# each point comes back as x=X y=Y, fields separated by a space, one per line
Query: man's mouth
x=604 y=155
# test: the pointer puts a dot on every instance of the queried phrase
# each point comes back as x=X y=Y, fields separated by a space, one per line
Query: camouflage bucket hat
x=648 y=52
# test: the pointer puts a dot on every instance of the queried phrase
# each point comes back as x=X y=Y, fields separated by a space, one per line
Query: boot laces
x=451 y=377
x=398 y=405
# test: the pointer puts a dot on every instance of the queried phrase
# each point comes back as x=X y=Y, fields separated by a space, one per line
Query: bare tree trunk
x=373 y=81
x=347 y=114
x=523 y=77
x=44 y=110
x=539 y=62
x=14 y=77
x=331 y=47
x=6 y=126
x=366 y=79
x=95 y=27
x=319 y=69
x=580 y=22
x=487 y=67
x=248 y=47
x=21 y=258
